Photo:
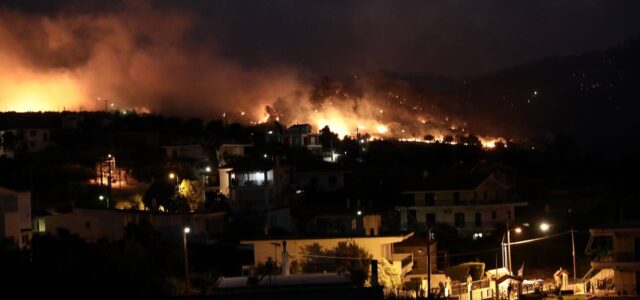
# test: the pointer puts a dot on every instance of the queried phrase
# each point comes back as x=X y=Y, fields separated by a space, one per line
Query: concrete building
x=475 y=204
x=255 y=185
x=615 y=269
x=226 y=153
x=15 y=216
x=185 y=152
x=301 y=135
x=28 y=140
x=417 y=246
x=379 y=247
x=95 y=224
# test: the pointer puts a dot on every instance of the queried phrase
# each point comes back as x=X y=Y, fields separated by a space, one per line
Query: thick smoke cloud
x=136 y=56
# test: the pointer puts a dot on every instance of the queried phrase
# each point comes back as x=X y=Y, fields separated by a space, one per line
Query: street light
x=186 y=260
x=102 y=198
x=207 y=170
x=544 y=226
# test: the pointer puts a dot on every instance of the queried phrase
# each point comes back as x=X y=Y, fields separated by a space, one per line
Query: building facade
x=615 y=268
x=110 y=224
x=475 y=204
x=15 y=216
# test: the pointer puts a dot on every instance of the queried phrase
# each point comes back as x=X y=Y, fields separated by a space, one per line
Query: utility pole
x=109 y=179
x=496 y=281
x=509 y=248
x=573 y=253
x=429 y=261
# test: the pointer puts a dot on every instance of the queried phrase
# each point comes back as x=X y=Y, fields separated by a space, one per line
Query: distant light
x=172 y=175
x=535 y=93
x=187 y=230
x=359 y=213
x=208 y=169
x=265 y=155
x=298 y=191
x=545 y=226
x=101 y=197
x=242 y=113
x=109 y=155
x=518 y=230
x=270 y=132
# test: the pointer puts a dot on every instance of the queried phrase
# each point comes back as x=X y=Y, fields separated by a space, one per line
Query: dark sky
x=449 y=38
x=444 y=38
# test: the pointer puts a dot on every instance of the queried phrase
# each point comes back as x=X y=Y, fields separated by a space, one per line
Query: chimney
x=285 y=259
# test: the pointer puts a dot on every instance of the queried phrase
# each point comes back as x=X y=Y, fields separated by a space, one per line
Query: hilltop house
x=474 y=203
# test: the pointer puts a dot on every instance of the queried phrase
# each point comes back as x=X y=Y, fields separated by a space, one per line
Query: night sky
x=252 y=61
x=442 y=38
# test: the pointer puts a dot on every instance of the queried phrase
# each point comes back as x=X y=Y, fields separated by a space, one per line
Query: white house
x=15 y=216
x=474 y=203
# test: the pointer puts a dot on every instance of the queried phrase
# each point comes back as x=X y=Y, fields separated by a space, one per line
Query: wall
x=15 y=216
x=94 y=224
x=378 y=247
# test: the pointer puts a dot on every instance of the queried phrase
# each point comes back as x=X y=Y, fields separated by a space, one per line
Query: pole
x=573 y=253
x=496 y=281
x=509 y=248
x=186 y=264
x=428 y=261
x=109 y=179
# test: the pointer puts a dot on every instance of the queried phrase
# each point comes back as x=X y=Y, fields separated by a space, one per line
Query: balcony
x=404 y=262
x=616 y=260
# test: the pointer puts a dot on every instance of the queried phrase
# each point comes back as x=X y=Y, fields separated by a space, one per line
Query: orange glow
x=24 y=90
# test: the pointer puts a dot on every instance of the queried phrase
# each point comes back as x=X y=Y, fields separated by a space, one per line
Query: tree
x=346 y=258
x=159 y=194
x=448 y=139
x=429 y=138
x=328 y=139
x=388 y=277
x=191 y=191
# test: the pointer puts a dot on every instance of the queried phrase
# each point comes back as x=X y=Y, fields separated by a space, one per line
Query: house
x=28 y=140
x=417 y=246
x=227 y=152
x=474 y=203
x=301 y=135
x=110 y=224
x=15 y=216
x=185 y=152
x=379 y=247
x=257 y=185
x=615 y=268
x=319 y=176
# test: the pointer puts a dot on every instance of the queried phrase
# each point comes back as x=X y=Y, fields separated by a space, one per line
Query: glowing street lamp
x=174 y=176
x=186 y=231
x=102 y=198
x=544 y=227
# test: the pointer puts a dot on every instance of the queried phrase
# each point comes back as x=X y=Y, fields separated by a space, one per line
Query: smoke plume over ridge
x=136 y=56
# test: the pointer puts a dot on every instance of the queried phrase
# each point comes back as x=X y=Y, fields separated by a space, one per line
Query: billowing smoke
x=134 y=56
x=138 y=55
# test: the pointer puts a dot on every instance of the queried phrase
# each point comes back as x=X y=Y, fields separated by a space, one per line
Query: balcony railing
x=617 y=257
